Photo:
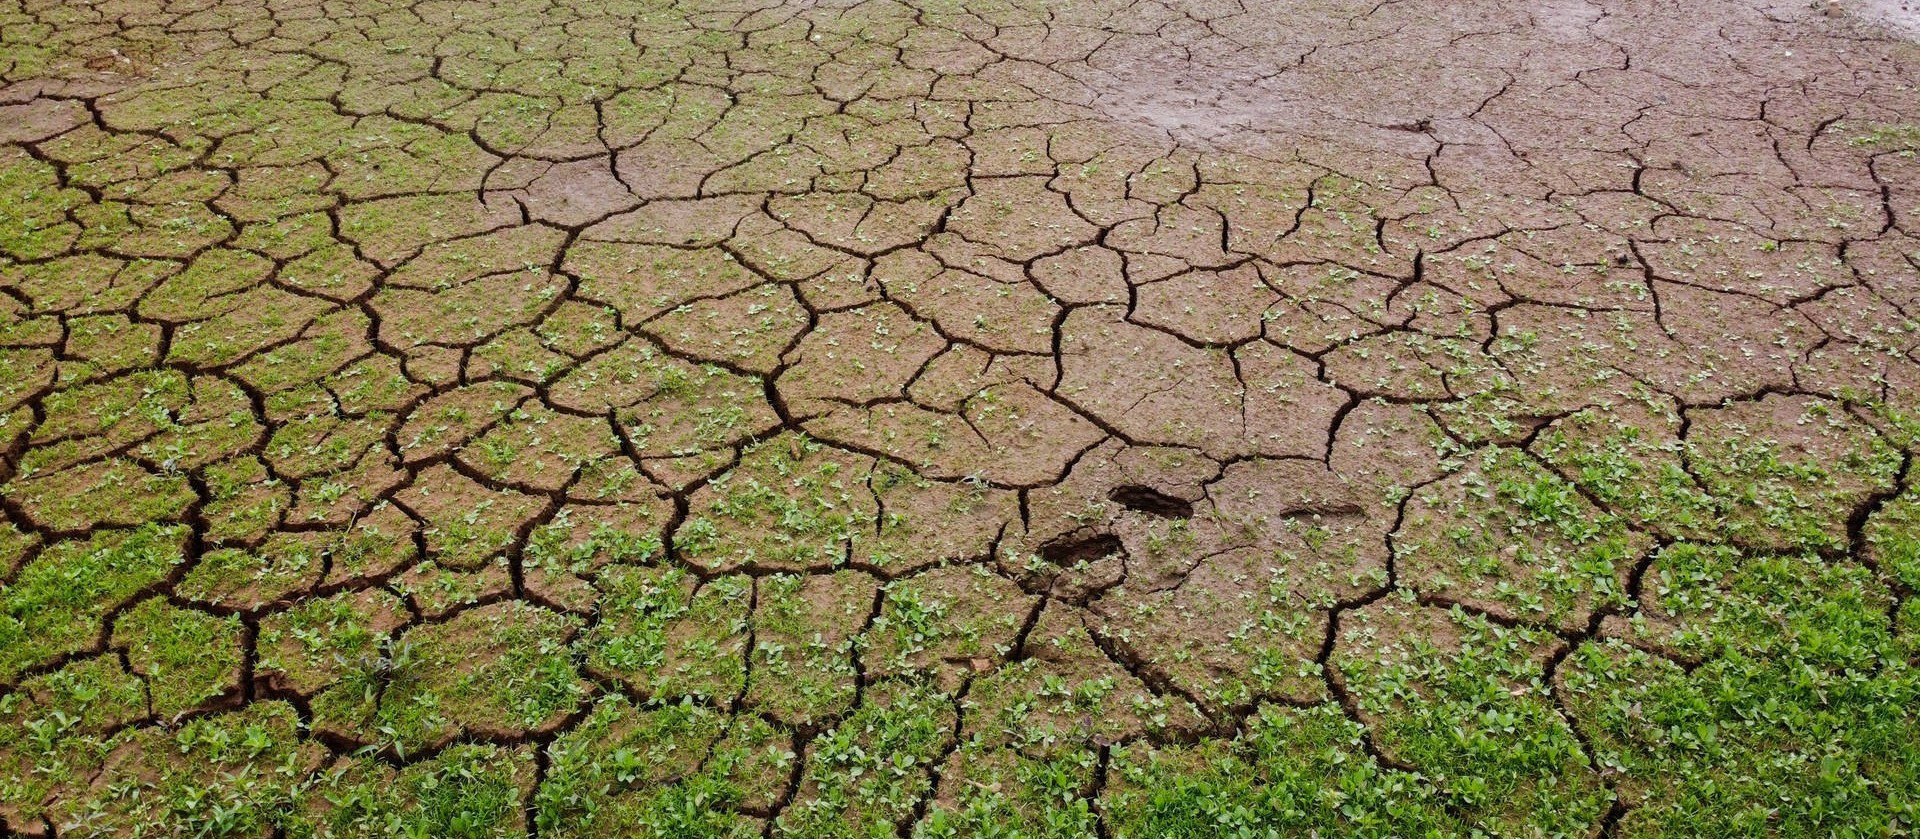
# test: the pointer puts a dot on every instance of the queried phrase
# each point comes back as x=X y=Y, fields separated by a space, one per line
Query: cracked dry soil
x=1090 y=418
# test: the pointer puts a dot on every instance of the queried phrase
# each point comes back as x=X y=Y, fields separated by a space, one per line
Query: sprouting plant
x=374 y=673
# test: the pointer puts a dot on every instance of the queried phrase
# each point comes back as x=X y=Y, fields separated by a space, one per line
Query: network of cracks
x=1094 y=418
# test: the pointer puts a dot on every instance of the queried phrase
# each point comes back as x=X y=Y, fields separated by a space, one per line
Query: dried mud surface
x=1095 y=418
